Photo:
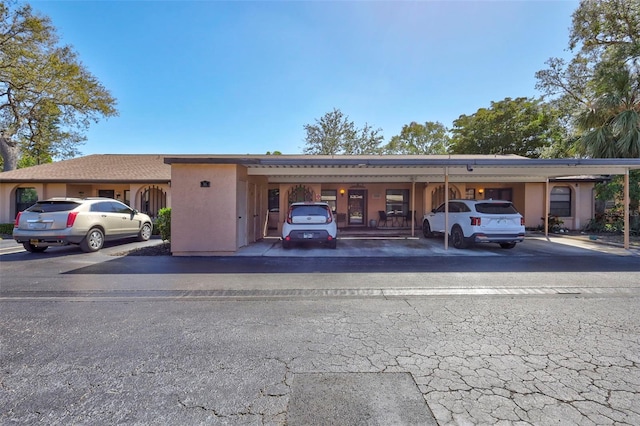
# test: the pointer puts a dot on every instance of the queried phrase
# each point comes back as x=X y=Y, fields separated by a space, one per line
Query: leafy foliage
x=415 y=138
x=335 y=134
x=518 y=126
x=163 y=223
x=47 y=97
x=599 y=90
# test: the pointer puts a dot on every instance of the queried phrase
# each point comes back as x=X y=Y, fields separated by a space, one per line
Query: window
x=274 y=200
x=470 y=194
x=330 y=196
x=397 y=201
x=560 y=201
x=498 y=194
x=25 y=197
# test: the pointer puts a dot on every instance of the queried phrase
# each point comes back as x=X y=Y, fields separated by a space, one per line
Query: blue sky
x=243 y=77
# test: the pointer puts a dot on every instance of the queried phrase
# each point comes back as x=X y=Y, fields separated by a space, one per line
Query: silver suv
x=88 y=222
x=477 y=221
x=309 y=222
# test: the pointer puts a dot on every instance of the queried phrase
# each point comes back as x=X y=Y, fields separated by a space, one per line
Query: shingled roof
x=97 y=168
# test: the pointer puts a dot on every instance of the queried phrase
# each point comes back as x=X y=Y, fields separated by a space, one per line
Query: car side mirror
x=433 y=210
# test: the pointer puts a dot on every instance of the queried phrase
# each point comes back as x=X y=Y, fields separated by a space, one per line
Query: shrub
x=6 y=228
x=163 y=223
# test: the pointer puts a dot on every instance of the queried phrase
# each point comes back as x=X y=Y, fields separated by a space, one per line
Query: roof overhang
x=307 y=169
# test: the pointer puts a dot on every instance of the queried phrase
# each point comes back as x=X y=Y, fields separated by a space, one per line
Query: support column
x=413 y=206
x=446 y=208
x=547 y=207
x=627 y=201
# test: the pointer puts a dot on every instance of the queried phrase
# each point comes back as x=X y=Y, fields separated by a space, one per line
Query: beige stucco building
x=223 y=202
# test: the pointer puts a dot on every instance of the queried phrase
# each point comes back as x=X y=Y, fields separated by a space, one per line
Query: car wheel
x=34 y=249
x=145 y=232
x=286 y=244
x=426 y=229
x=93 y=241
x=507 y=245
x=333 y=244
x=457 y=238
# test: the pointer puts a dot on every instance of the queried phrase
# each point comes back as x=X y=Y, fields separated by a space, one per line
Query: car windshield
x=52 y=206
x=496 y=208
x=310 y=211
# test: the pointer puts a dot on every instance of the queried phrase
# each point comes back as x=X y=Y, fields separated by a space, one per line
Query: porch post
x=627 y=201
x=547 y=207
x=413 y=206
x=446 y=208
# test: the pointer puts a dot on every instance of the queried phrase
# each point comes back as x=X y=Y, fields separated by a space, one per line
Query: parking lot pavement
x=546 y=333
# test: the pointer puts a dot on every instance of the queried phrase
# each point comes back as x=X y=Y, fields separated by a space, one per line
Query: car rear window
x=310 y=211
x=496 y=208
x=52 y=206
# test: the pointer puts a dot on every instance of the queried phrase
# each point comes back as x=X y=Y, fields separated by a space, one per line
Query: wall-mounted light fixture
x=342 y=191
x=205 y=184
x=481 y=191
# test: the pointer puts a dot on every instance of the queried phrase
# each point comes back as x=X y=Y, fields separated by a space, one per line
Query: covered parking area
x=240 y=184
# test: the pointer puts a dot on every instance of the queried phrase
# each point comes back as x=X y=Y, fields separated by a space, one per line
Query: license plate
x=307 y=235
x=37 y=225
x=34 y=242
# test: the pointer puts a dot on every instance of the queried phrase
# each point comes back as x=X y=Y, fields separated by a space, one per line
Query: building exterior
x=223 y=202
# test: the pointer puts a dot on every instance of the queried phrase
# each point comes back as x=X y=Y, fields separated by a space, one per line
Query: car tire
x=93 y=241
x=286 y=245
x=507 y=245
x=333 y=244
x=34 y=249
x=457 y=238
x=426 y=229
x=145 y=232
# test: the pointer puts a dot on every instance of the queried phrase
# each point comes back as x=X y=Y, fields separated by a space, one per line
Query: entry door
x=357 y=206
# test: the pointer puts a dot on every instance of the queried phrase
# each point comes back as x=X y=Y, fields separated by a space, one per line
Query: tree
x=47 y=97
x=415 y=138
x=335 y=134
x=610 y=125
x=598 y=90
x=518 y=126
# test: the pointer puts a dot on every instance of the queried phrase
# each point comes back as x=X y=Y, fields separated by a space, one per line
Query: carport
x=442 y=169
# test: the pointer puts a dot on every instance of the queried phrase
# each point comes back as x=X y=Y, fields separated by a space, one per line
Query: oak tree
x=47 y=96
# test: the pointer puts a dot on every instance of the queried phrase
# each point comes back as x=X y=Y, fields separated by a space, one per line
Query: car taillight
x=475 y=221
x=71 y=219
x=16 y=223
x=522 y=221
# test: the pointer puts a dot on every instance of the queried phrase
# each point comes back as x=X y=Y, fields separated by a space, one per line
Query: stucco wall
x=203 y=218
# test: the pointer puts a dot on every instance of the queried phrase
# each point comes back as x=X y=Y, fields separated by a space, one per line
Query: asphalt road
x=397 y=332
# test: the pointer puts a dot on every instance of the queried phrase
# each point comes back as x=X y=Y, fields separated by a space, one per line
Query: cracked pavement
x=475 y=360
x=85 y=339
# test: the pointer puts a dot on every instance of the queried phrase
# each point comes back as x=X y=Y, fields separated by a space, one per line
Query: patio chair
x=411 y=215
x=382 y=218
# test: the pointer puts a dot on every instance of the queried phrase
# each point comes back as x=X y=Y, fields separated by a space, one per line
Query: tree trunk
x=10 y=153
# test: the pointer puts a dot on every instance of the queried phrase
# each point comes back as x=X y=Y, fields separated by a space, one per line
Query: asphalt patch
x=357 y=399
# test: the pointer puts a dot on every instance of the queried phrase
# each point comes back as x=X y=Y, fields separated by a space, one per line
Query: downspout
x=627 y=201
x=446 y=208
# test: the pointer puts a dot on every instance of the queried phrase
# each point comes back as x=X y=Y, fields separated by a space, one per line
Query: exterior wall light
x=342 y=192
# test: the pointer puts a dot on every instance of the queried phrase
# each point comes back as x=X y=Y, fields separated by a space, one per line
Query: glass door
x=357 y=200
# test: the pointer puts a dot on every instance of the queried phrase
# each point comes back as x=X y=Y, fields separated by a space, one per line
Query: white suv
x=309 y=222
x=477 y=221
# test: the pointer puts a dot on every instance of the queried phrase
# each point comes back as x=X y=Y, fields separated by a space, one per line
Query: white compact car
x=309 y=222
x=477 y=221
